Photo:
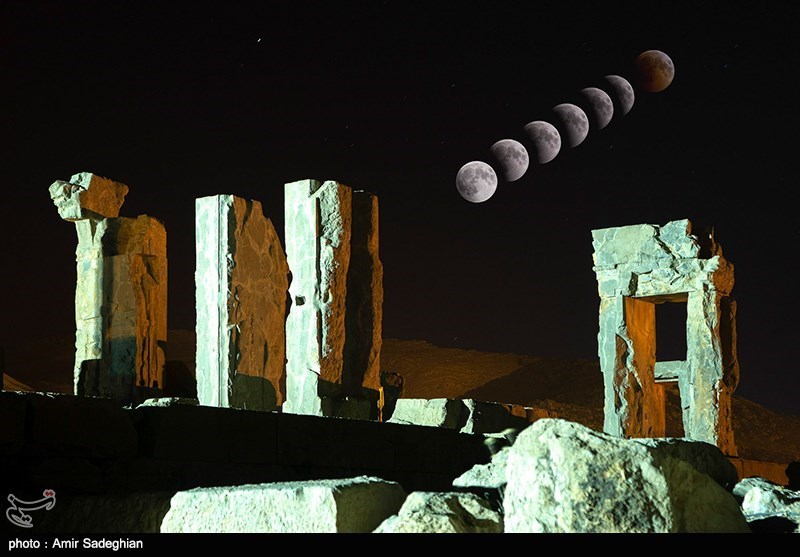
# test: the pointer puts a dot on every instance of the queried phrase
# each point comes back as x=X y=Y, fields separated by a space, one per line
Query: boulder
x=769 y=506
x=564 y=477
x=425 y=512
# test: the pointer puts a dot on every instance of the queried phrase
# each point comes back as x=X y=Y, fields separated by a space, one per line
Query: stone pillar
x=638 y=267
x=634 y=403
x=121 y=292
x=241 y=283
x=713 y=369
x=332 y=359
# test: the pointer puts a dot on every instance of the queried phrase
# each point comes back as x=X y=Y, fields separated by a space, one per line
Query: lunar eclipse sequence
x=477 y=181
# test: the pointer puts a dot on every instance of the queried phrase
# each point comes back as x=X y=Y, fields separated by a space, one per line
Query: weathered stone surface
x=564 y=477
x=467 y=416
x=87 y=196
x=333 y=330
x=762 y=499
x=120 y=308
x=364 y=303
x=241 y=284
x=121 y=292
x=489 y=476
x=638 y=267
x=703 y=457
x=353 y=505
x=443 y=513
x=134 y=513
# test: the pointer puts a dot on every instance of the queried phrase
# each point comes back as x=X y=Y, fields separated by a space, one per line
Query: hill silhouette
x=573 y=389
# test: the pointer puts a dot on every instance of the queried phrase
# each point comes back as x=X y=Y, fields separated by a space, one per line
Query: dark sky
x=186 y=99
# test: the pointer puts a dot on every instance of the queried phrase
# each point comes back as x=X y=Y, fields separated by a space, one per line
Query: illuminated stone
x=352 y=505
x=563 y=477
x=762 y=499
x=333 y=330
x=87 y=196
x=121 y=291
x=121 y=308
x=241 y=283
x=638 y=267
x=465 y=415
x=426 y=512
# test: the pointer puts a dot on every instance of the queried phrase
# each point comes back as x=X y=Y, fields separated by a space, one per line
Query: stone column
x=241 y=283
x=121 y=292
x=332 y=359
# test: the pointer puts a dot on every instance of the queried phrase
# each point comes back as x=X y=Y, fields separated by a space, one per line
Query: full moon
x=622 y=91
x=545 y=140
x=574 y=122
x=654 y=71
x=476 y=181
x=602 y=105
x=512 y=158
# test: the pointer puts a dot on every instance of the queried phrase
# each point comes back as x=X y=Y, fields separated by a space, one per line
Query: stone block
x=206 y=434
x=425 y=512
x=88 y=196
x=67 y=425
x=352 y=505
x=464 y=415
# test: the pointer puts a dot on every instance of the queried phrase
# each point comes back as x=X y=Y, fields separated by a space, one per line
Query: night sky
x=180 y=100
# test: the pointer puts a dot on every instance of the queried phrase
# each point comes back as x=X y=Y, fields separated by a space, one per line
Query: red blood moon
x=654 y=71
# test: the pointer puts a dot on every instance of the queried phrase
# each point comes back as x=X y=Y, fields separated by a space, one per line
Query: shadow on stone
x=254 y=393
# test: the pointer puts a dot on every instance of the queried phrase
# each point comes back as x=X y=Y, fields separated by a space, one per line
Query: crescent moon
x=476 y=181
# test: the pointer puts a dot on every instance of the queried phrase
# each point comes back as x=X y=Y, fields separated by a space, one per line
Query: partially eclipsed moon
x=511 y=157
x=601 y=104
x=545 y=140
x=654 y=71
x=476 y=181
x=622 y=92
x=574 y=123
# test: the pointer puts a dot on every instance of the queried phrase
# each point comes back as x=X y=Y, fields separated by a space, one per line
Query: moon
x=476 y=181
x=512 y=158
x=574 y=123
x=544 y=138
x=654 y=71
x=622 y=92
x=602 y=105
